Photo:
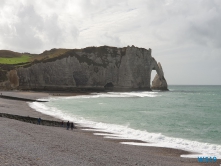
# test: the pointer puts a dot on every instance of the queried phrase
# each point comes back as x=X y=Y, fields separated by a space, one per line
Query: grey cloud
x=207 y=33
x=28 y=16
x=2 y=2
x=52 y=29
x=180 y=32
x=93 y=7
x=105 y=38
x=25 y=28
x=33 y=32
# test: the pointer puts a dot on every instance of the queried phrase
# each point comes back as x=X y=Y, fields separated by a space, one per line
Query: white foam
x=106 y=134
x=137 y=143
x=124 y=132
x=94 y=130
x=43 y=99
x=110 y=95
x=113 y=137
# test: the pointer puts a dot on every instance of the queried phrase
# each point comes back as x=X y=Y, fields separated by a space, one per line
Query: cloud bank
x=184 y=35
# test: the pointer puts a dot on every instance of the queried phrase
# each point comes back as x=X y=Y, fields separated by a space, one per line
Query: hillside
x=10 y=60
x=9 y=54
x=15 y=58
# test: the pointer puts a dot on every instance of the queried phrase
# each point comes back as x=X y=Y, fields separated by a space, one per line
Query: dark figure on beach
x=72 y=125
x=68 y=125
x=39 y=121
x=62 y=124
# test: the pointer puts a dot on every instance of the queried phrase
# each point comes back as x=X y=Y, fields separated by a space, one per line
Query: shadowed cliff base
x=84 y=90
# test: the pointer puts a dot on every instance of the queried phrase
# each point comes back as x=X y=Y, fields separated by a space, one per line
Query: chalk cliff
x=159 y=82
x=91 y=68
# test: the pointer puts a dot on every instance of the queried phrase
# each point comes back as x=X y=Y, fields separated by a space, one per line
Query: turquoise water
x=185 y=113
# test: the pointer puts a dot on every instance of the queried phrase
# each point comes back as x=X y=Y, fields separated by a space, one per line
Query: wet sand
x=24 y=143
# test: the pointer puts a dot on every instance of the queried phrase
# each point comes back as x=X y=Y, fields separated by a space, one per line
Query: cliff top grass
x=15 y=60
x=8 y=57
x=48 y=54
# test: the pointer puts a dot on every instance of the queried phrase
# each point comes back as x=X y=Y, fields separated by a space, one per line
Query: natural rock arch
x=91 y=68
x=159 y=82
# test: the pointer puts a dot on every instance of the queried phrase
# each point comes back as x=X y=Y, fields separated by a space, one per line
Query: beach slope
x=24 y=143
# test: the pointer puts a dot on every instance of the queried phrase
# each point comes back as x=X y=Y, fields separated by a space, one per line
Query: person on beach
x=62 y=124
x=68 y=125
x=72 y=125
x=39 y=121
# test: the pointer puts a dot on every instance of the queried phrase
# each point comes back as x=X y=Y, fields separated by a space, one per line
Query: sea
x=185 y=117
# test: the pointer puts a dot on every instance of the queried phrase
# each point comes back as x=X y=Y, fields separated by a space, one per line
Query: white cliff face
x=123 y=68
x=159 y=82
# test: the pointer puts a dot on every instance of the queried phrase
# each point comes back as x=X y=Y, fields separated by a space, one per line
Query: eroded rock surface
x=159 y=82
x=91 y=68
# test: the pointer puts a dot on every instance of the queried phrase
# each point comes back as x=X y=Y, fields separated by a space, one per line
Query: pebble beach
x=24 y=143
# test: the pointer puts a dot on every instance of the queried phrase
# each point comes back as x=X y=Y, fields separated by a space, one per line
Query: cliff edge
x=89 y=69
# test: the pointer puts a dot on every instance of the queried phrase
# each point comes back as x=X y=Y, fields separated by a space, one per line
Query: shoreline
x=21 y=99
x=170 y=155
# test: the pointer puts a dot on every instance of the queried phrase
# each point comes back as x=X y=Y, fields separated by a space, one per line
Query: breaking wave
x=125 y=132
x=111 y=95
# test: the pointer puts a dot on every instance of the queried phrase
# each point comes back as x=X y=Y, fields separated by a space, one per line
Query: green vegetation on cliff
x=80 y=69
x=49 y=54
x=8 y=57
x=15 y=60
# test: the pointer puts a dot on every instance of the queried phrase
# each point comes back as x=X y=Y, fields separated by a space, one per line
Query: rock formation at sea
x=91 y=68
x=159 y=82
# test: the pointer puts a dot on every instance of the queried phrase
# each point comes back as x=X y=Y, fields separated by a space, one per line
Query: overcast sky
x=184 y=35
